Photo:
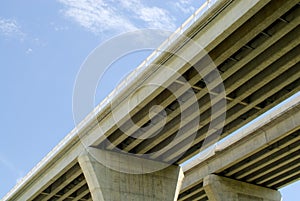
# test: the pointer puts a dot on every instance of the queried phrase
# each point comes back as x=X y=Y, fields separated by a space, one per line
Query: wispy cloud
x=96 y=16
x=185 y=6
x=152 y=16
x=117 y=16
x=10 y=27
x=58 y=27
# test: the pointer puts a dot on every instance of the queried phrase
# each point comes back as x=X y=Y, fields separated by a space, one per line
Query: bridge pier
x=116 y=177
x=219 y=188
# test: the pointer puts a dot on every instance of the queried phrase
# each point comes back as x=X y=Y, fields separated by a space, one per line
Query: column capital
x=220 y=188
x=107 y=182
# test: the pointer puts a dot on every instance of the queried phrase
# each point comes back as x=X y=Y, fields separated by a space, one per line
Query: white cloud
x=185 y=6
x=153 y=16
x=58 y=27
x=96 y=16
x=9 y=27
x=157 y=18
x=117 y=15
x=29 y=50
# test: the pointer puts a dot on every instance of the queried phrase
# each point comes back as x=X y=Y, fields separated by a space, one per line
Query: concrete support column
x=115 y=178
x=220 y=188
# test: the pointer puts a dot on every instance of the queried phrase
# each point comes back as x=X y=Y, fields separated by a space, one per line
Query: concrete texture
x=106 y=184
x=275 y=126
x=220 y=188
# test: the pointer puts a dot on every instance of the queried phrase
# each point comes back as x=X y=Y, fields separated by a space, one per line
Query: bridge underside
x=258 y=60
x=273 y=166
x=259 y=65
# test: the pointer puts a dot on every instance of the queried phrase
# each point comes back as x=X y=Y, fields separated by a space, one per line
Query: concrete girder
x=59 y=184
x=283 y=170
x=294 y=176
x=235 y=21
x=274 y=87
x=200 y=196
x=293 y=76
x=82 y=192
x=272 y=169
x=246 y=143
x=150 y=145
x=274 y=70
x=195 y=191
x=238 y=124
x=256 y=24
x=72 y=190
x=270 y=16
x=246 y=90
x=280 y=152
x=58 y=167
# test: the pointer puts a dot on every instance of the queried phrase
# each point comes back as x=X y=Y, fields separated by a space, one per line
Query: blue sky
x=42 y=46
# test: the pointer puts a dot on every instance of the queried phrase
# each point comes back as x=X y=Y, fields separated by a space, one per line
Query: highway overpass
x=248 y=48
x=264 y=153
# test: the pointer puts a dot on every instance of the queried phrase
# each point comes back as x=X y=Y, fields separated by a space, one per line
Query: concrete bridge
x=264 y=153
x=248 y=63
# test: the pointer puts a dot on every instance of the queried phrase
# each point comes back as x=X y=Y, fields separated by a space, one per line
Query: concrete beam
x=272 y=127
x=116 y=177
x=212 y=35
x=205 y=106
x=204 y=71
x=59 y=184
x=281 y=48
x=219 y=188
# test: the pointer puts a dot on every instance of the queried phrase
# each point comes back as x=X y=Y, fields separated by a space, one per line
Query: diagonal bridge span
x=254 y=47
